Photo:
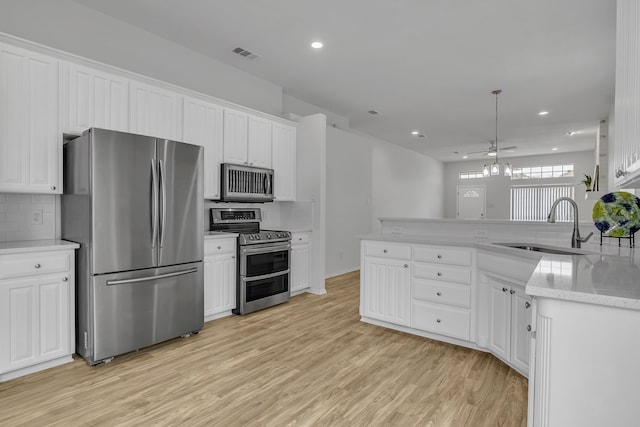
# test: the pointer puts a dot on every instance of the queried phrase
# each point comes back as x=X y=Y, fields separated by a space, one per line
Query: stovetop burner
x=246 y=222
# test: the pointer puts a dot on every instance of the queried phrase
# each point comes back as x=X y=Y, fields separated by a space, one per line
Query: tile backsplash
x=27 y=217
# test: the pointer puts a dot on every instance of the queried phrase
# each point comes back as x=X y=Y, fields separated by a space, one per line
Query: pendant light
x=494 y=168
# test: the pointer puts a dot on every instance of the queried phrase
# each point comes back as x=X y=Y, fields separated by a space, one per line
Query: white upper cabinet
x=283 y=160
x=203 y=125
x=93 y=98
x=155 y=111
x=30 y=144
x=247 y=139
x=259 y=142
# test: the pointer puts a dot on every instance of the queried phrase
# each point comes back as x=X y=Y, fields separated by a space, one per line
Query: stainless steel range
x=264 y=258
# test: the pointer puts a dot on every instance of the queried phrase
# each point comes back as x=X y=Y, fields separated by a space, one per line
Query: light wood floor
x=308 y=362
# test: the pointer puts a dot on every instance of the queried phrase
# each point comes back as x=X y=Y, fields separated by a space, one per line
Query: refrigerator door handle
x=163 y=195
x=154 y=204
x=147 y=278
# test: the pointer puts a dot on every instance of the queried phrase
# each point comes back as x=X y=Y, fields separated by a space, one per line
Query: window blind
x=533 y=202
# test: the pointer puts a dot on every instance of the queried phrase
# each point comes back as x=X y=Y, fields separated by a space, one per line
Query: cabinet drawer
x=455 y=256
x=219 y=246
x=442 y=293
x=36 y=263
x=442 y=273
x=387 y=250
x=299 y=238
x=449 y=321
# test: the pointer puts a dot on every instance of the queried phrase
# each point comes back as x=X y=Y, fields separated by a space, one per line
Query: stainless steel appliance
x=135 y=205
x=264 y=258
x=241 y=183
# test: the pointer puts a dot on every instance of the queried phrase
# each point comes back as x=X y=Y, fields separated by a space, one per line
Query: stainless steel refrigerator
x=135 y=205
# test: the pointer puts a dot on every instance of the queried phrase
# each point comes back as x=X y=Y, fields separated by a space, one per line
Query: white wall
x=498 y=194
x=291 y=104
x=349 y=192
x=73 y=28
x=406 y=184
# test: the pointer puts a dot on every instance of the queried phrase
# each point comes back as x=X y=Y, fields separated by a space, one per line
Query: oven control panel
x=265 y=236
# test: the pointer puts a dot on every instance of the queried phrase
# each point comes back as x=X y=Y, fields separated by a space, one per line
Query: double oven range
x=264 y=258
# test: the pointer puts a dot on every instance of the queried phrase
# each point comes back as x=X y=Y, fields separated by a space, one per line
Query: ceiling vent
x=373 y=112
x=245 y=53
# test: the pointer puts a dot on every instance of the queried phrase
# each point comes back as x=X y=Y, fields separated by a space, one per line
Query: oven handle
x=244 y=250
x=265 y=276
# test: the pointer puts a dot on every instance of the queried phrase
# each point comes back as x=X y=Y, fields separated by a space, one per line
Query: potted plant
x=587 y=181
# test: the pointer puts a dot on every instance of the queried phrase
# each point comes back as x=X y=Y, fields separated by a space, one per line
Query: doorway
x=471 y=202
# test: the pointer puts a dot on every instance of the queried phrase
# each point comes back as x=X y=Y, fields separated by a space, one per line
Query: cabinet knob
x=37 y=266
x=439 y=274
x=439 y=256
x=233 y=257
x=53 y=187
x=512 y=292
x=65 y=279
x=406 y=266
x=528 y=328
x=299 y=238
x=219 y=247
x=504 y=289
x=439 y=293
x=438 y=320
x=384 y=250
x=527 y=304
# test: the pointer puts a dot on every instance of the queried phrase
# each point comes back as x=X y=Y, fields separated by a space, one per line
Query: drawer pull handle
x=439 y=274
x=406 y=266
x=438 y=320
x=65 y=279
x=528 y=328
x=512 y=292
x=219 y=247
x=439 y=256
x=384 y=250
x=37 y=266
x=504 y=289
x=527 y=305
x=439 y=293
x=53 y=187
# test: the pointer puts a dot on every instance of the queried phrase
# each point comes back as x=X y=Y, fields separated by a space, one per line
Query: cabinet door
x=95 y=99
x=283 y=161
x=34 y=321
x=30 y=144
x=520 y=335
x=155 y=111
x=299 y=267
x=203 y=126
x=259 y=142
x=385 y=290
x=235 y=137
x=219 y=284
x=499 y=319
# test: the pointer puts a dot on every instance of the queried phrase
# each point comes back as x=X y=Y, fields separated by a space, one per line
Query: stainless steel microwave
x=241 y=183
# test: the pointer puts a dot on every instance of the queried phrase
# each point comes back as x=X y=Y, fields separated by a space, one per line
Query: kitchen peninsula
x=566 y=321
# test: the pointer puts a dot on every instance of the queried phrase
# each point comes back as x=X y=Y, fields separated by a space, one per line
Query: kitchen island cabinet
x=37 y=306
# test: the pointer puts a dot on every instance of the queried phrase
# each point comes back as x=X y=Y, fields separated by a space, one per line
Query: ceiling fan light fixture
x=496 y=167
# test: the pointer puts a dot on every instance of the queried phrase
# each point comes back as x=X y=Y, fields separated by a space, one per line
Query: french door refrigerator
x=135 y=205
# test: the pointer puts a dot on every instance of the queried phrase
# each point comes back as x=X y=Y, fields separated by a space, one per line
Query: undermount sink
x=537 y=248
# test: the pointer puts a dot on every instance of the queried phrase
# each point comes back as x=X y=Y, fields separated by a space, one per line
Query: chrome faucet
x=576 y=240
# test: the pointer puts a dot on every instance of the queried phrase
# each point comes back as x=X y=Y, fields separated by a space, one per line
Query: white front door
x=471 y=202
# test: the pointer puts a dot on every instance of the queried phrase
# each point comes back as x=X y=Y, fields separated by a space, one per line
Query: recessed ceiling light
x=465 y=157
x=554 y=149
x=543 y=113
x=317 y=45
x=415 y=132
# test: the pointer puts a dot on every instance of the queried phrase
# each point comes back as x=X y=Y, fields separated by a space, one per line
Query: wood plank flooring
x=309 y=362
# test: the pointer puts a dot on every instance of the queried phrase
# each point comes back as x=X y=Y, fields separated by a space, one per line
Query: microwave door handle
x=154 y=204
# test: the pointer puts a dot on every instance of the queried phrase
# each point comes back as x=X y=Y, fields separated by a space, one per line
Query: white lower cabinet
x=219 y=277
x=300 y=258
x=386 y=283
x=509 y=315
x=37 y=312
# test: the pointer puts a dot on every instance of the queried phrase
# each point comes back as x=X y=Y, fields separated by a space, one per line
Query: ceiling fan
x=493 y=150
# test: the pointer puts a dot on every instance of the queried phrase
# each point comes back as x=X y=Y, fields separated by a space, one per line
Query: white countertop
x=23 y=246
x=604 y=275
x=218 y=235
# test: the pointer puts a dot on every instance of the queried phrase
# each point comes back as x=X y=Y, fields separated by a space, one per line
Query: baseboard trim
x=340 y=273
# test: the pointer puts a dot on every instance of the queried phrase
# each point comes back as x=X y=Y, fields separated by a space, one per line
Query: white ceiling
x=428 y=65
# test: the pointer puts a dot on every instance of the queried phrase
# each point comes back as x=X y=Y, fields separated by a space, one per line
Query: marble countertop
x=36 y=246
x=605 y=275
x=218 y=235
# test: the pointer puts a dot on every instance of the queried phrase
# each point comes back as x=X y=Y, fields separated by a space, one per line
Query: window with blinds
x=533 y=202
